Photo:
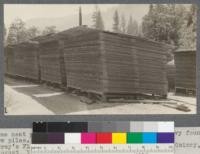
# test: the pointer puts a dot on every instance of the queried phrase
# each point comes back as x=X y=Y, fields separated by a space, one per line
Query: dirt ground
x=28 y=98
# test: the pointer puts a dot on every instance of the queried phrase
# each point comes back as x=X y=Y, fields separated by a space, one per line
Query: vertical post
x=80 y=16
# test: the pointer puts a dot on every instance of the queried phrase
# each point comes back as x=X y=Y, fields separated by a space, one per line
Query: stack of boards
x=115 y=64
x=22 y=60
x=82 y=59
x=103 y=63
x=51 y=61
x=185 y=62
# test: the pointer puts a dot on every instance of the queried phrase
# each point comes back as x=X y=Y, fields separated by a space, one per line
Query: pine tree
x=5 y=33
x=49 y=30
x=33 y=32
x=97 y=19
x=149 y=23
x=188 y=30
x=100 y=24
x=123 y=24
x=116 y=22
x=163 y=23
x=80 y=16
x=140 y=33
x=135 y=28
x=129 y=27
x=132 y=28
x=17 y=32
x=94 y=17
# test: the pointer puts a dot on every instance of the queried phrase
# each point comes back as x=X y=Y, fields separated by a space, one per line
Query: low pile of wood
x=185 y=62
x=22 y=60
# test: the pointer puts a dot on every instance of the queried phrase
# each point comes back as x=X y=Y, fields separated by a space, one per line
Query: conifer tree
x=116 y=22
x=97 y=19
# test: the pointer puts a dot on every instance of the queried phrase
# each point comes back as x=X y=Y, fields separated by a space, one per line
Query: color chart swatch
x=103 y=133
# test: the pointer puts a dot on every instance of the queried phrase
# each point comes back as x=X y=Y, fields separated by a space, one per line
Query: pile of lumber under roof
x=95 y=61
x=111 y=63
x=22 y=60
x=185 y=62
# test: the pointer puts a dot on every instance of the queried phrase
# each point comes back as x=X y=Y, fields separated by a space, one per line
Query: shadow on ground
x=60 y=104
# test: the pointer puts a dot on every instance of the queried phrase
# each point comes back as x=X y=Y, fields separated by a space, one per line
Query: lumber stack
x=9 y=60
x=50 y=61
x=22 y=60
x=82 y=60
x=185 y=62
x=111 y=63
x=121 y=66
x=94 y=61
x=152 y=59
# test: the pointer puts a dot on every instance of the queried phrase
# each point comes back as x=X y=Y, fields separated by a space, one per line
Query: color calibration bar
x=103 y=138
x=103 y=133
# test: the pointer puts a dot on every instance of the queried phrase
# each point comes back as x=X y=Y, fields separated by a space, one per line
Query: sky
x=28 y=12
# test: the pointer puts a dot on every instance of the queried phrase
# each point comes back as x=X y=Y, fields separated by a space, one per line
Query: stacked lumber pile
x=51 y=61
x=121 y=74
x=83 y=60
x=171 y=72
x=94 y=61
x=9 y=60
x=152 y=59
x=134 y=65
x=22 y=60
x=185 y=62
x=110 y=63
